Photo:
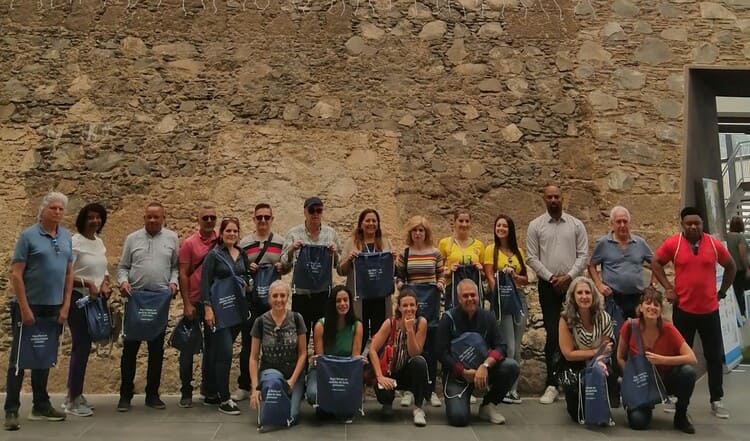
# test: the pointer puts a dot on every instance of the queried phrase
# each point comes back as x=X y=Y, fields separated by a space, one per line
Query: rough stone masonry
x=406 y=106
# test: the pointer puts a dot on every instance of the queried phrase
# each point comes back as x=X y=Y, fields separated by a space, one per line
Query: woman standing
x=226 y=260
x=584 y=328
x=460 y=249
x=92 y=280
x=280 y=335
x=737 y=246
x=666 y=349
x=504 y=255
x=420 y=265
x=367 y=237
x=408 y=369
x=338 y=333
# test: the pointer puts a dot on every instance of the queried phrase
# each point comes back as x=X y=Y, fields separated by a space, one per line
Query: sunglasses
x=263 y=217
x=55 y=245
x=315 y=210
x=209 y=218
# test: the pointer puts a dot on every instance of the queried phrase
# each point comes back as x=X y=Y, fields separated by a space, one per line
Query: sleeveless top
x=344 y=341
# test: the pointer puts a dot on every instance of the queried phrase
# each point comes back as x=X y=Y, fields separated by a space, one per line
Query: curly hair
x=570 y=308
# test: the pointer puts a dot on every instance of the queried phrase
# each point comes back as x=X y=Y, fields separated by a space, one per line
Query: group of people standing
x=51 y=270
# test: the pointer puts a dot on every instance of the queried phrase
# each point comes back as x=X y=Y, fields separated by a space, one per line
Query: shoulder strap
x=453 y=323
x=495 y=258
x=635 y=329
x=200 y=261
x=392 y=335
x=264 y=249
x=406 y=265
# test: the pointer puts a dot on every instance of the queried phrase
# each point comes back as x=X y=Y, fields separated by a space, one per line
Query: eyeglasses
x=315 y=210
x=55 y=245
x=263 y=217
x=209 y=218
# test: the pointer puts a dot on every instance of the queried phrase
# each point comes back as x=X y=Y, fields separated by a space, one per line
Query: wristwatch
x=487 y=365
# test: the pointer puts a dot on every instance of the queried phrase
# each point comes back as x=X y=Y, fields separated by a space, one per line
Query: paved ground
x=529 y=421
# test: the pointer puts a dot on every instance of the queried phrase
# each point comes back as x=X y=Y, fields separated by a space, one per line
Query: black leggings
x=411 y=377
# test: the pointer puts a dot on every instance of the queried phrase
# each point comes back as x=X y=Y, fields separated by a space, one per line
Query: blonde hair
x=570 y=308
x=415 y=222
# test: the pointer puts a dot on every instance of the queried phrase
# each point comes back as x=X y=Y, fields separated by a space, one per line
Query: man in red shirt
x=694 y=255
x=192 y=252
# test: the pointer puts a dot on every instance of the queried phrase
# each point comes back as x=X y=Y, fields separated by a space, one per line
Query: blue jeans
x=296 y=399
x=219 y=358
x=512 y=329
x=680 y=382
x=457 y=392
x=39 y=377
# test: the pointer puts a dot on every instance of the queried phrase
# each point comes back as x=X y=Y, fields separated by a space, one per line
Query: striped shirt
x=252 y=247
x=585 y=339
x=423 y=267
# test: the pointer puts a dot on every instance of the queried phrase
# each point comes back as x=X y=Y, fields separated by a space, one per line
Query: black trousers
x=153 y=372
x=739 y=284
x=708 y=327
x=411 y=377
x=312 y=307
x=551 y=303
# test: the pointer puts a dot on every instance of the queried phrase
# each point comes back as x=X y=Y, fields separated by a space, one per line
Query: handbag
x=228 y=297
x=339 y=385
x=276 y=404
x=507 y=300
x=386 y=354
x=641 y=384
x=564 y=373
x=98 y=320
x=313 y=270
x=373 y=275
x=187 y=336
x=593 y=394
x=146 y=315
x=37 y=344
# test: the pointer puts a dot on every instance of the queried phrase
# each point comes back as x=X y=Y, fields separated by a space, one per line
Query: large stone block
x=653 y=51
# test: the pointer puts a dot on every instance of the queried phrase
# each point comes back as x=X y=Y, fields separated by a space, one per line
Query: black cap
x=314 y=200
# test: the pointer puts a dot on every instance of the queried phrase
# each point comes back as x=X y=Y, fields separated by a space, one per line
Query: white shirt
x=89 y=259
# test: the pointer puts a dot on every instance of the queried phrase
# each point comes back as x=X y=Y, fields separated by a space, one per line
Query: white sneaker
x=549 y=396
x=86 y=403
x=240 y=395
x=669 y=405
x=435 y=400
x=473 y=400
x=407 y=399
x=491 y=413
x=77 y=408
x=718 y=409
x=419 y=418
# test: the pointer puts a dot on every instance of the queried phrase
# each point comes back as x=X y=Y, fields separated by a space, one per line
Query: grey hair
x=48 y=199
x=570 y=308
x=617 y=208
x=283 y=284
x=466 y=282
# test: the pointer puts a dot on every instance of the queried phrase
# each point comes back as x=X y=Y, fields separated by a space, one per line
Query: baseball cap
x=314 y=200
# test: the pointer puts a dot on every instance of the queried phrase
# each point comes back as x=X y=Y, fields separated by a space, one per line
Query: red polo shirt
x=695 y=274
x=192 y=252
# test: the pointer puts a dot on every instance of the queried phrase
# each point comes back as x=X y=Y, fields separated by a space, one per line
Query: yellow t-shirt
x=502 y=259
x=453 y=253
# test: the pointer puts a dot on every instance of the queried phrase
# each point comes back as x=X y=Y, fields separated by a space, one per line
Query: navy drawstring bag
x=146 y=314
x=616 y=314
x=469 y=348
x=187 y=336
x=593 y=396
x=313 y=270
x=373 y=275
x=339 y=385
x=227 y=298
x=507 y=299
x=640 y=381
x=461 y=273
x=37 y=344
x=98 y=320
x=428 y=302
x=276 y=403
x=264 y=276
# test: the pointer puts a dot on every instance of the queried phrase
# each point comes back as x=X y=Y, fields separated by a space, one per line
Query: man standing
x=41 y=276
x=148 y=262
x=263 y=247
x=694 y=255
x=311 y=305
x=557 y=250
x=192 y=252
x=621 y=256
x=496 y=374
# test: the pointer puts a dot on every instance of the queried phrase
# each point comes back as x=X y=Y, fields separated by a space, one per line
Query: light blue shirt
x=46 y=260
x=622 y=270
x=149 y=262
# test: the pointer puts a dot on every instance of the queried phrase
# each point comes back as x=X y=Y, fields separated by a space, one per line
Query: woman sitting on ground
x=668 y=352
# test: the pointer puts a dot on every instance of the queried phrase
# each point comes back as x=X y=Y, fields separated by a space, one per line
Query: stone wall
x=408 y=107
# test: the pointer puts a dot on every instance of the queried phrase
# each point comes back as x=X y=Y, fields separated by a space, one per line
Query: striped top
x=585 y=339
x=423 y=267
x=252 y=247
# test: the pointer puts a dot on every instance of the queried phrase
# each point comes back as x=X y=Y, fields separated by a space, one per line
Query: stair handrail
x=733 y=156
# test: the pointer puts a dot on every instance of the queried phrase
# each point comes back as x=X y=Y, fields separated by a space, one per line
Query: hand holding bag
x=641 y=383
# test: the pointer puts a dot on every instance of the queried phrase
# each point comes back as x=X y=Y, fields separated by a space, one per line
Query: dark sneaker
x=155 y=403
x=211 y=401
x=11 y=421
x=123 y=405
x=229 y=407
x=48 y=414
x=387 y=410
x=185 y=402
x=683 y=423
